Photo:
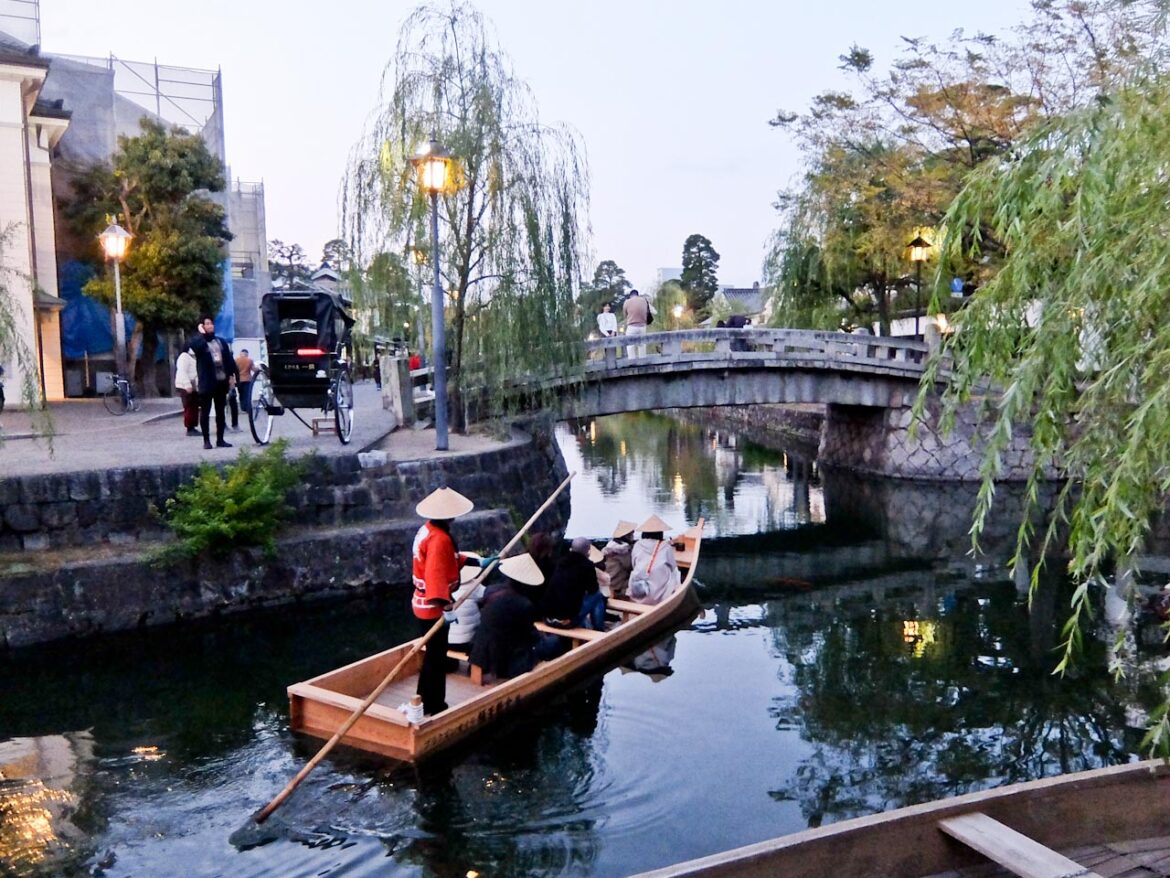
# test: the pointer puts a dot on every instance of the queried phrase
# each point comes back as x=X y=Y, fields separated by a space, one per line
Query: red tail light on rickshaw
x=311 y=352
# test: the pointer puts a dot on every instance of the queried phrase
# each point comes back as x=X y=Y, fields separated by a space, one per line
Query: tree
x=609 y=285
x=700 y=264
x=288 y=263
x=174 y=270
x=337 y=253
x=1073 y=329
x=511 y=233
x=937 y=113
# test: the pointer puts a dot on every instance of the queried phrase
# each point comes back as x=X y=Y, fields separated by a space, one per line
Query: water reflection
x=647 y=464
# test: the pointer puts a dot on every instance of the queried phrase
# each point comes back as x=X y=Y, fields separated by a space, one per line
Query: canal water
x=852 y=657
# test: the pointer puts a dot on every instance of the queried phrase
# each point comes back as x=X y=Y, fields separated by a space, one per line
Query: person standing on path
x=187 y=384
x=435 y=564
x=636 y=312
x=247 y=369
x=216 y=367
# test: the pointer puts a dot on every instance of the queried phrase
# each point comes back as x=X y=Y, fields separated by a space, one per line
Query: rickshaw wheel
x=259 y=412
x=343 y=406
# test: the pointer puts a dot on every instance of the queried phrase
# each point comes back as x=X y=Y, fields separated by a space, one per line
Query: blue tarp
x=86 y=327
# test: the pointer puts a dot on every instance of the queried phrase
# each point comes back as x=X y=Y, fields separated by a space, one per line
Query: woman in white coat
x=655 y=567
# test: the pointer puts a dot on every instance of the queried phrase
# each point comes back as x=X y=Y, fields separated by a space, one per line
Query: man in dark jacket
x=506 y=643
x=572 y=599
x=217 y=371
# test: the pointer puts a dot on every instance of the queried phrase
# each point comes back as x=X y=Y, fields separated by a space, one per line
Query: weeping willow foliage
x=1072 y=333
x=14 y=351
x=512 y=235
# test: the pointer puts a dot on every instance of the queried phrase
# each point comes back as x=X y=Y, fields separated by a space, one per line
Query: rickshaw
x=309 y=351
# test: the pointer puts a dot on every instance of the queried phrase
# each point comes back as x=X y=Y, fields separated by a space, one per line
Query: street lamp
x=678 y=313
x=432 y=165
x=919 y=253
x=116 y=242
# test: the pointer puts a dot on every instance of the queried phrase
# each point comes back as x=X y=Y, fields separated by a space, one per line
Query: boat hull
x=1108 y=805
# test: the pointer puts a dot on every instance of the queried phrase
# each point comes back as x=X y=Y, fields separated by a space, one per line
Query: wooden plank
x=627 y=606
x=577 y=635
x=1011 y=849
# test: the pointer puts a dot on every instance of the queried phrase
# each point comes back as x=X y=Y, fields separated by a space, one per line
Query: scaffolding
x=21 y=19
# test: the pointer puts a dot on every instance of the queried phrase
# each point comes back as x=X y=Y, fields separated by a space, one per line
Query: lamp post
x=432 y=164
x=919 y=252
x=116 y=242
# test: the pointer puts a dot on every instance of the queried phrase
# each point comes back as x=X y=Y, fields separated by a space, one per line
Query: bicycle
x=120 y=398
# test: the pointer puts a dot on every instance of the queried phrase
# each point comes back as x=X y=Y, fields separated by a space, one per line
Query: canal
x=852 y=657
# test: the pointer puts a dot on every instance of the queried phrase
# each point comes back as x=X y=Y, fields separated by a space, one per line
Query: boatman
x=435 y=570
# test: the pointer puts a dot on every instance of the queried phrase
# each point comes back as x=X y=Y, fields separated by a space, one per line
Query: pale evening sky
x=672 y=99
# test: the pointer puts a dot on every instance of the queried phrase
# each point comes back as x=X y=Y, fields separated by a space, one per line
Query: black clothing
x=574 y=578
x=213 y=389
x=505 y=638
x=432 y=679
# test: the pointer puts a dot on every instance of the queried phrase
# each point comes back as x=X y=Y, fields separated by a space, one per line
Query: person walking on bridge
x=636 y=312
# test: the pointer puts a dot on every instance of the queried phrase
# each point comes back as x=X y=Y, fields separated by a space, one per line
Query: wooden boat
x=319 y=706
x=1108 y=822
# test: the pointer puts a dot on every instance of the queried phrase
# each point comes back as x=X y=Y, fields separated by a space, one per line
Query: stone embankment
x=78 y=544
x=766 y=424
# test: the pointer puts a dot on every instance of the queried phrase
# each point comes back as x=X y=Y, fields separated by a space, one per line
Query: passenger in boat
x=655 y=574
x=466 y=613
x=617 y=558
x=598 y=561
x=545 y=549
x=572 y=598
x=436 y=564
x=506 y=642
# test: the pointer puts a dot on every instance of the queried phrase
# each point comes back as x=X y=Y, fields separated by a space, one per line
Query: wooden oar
x=265 y=812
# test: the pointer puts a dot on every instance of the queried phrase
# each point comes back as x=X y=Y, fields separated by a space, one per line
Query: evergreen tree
x=609 y=284
x=700 y=264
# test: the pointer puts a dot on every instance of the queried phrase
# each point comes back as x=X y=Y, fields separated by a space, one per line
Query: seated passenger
x=572 y=598
x=598 y=561
x=507 y=644
x=617 y=558
x=655 y=574
x=545 y=549
x=467 y=613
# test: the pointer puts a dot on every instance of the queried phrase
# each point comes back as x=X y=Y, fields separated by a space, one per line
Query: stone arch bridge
x=868 y=385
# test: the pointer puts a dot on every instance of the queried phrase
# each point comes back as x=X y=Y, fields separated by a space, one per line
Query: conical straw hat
x=522 y=569
x=654 y=524
x=623 y=528
x=466 y=574
x=595 y=554
x=444 y=503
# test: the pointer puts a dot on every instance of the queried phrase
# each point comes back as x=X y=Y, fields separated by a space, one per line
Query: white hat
x=466 y=574
x=624 y=528
x=522 y=569
x=654 y=524
x=444 y=503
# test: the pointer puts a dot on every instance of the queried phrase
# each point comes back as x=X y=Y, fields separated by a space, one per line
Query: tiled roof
x=750 y=299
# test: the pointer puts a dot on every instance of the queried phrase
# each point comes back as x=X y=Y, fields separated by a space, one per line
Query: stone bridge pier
x=880 y=441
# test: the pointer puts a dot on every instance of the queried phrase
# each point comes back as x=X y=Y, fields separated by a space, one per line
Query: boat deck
x=1140 y=858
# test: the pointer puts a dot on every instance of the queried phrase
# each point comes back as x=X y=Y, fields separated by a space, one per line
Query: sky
x=671 y=97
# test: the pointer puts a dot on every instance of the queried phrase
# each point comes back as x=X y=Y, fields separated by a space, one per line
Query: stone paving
x=87 y=437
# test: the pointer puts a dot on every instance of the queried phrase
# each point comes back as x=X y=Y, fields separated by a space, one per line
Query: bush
x=242 y=505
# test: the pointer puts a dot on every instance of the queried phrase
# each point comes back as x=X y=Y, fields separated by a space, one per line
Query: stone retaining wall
x=92 y=597
x=117 y=506
x=879 y=442
x=765 y=424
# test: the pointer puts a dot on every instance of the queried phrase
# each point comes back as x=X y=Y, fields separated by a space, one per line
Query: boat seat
x=577 y=635
x=625 y=609
x=1013 y=850
x=474 y=671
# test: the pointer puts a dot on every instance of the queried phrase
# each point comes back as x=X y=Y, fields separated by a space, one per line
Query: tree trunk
x=132 y=353
x=149 y=365
x=882 y=293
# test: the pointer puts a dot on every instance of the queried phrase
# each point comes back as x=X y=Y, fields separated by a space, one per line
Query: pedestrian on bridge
x=607 y=321
x=636 y=312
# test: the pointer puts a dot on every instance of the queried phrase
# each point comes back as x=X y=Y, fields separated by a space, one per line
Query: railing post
x=610 y=356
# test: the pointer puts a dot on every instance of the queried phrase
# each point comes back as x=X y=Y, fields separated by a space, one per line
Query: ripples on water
x=851 y=658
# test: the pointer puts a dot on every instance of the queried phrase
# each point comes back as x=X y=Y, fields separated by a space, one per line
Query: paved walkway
x=87 y=437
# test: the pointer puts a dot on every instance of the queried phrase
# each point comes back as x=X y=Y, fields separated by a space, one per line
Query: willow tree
x=1072 y=331
x=511 y=235
x=14 y=350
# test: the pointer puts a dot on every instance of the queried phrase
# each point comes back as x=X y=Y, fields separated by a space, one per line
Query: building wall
x=17 y=87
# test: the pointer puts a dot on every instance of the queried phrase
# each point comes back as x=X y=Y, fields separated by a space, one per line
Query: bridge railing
x=749 y=344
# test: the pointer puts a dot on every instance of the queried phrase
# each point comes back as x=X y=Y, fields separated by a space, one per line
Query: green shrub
x=242 y=505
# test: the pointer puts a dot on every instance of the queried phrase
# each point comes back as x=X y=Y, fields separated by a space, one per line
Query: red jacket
x=435 y=570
